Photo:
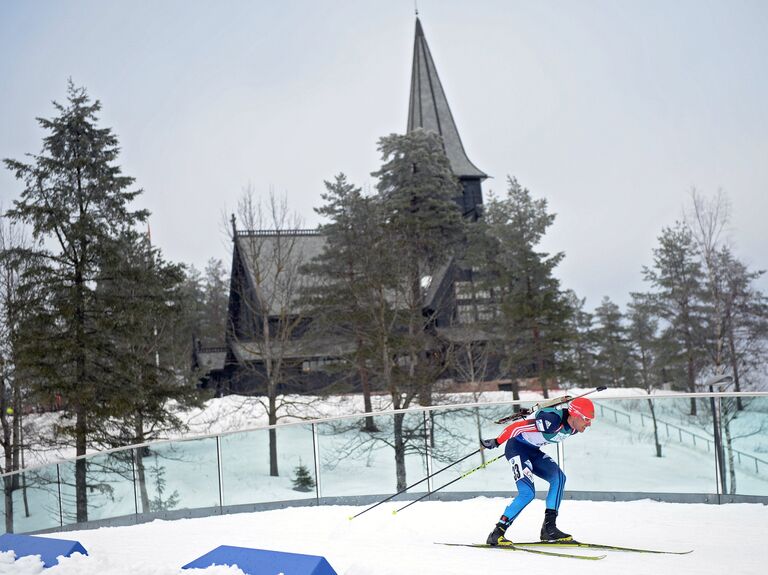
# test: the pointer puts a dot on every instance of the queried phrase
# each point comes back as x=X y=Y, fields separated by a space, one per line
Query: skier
x=524 y=439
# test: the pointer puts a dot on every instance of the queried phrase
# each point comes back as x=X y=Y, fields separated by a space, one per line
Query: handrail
x=270 y=233
x=682 y=430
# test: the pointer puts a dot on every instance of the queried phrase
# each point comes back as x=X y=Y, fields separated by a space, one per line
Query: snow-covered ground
x=724 y=539
x=616 y=455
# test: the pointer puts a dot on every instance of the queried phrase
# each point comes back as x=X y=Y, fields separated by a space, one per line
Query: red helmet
x=582 y=407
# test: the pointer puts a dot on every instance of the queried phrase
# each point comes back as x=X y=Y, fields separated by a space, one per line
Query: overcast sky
x=611 y=110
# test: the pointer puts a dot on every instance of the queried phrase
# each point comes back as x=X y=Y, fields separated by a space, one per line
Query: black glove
x=489 y=443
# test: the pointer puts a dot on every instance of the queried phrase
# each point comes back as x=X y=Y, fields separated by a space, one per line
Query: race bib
x=519 y=470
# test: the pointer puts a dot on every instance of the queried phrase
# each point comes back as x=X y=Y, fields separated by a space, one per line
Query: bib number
x=519 y=470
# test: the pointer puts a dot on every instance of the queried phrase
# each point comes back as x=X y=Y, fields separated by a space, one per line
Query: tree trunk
x=370 y=425
x=81 y=386
x=81 y=486
x=141 y=472
x=273 y=471
x=24 y=494
x=734 y=368
x=691 y=382
x=729 y=448
x=141 y=477
x=655 y=428
x=399 y=452
x=8 y=491
x=8 y=447
x=23 y=478
x=17 y=434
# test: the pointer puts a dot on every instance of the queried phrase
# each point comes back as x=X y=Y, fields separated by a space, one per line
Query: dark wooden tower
x=428 y=109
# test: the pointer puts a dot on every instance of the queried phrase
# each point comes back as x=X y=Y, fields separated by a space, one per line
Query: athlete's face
x=578 y=423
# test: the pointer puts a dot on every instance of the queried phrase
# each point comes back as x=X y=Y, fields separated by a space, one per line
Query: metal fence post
x=316 y=455
x=133 y=471
x=220 y=472
x=58 y=484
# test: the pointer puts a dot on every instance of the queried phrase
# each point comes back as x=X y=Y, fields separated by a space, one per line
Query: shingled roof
x=262 y=251
x=428 y=108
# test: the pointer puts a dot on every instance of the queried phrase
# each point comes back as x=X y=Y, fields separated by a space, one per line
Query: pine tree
x=76 y=198
x=645 y=344
x=583 y=348
x=534 y=313
x=348 y=270
x=676 y=277
x=613 y=365
x=303 y=480
x=423 y=226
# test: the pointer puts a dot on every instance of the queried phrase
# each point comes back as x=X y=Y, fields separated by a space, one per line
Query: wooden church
x=266 y=322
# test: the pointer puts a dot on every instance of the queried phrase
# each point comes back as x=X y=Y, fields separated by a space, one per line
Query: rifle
x=523 y=413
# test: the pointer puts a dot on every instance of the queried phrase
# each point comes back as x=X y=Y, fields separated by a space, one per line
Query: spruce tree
x=645 y=344
x=583 y=348
x=676 y=277
x=423 y=226
x=613 y=366
x=534 y=313
x=348 y=270
x=303 y=480
x=76 y=199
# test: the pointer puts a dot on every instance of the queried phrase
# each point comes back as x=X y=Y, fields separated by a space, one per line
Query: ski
x=597 y=546
x=516 y=548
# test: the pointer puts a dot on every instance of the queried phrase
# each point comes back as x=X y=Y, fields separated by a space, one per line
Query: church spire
x=428 y=108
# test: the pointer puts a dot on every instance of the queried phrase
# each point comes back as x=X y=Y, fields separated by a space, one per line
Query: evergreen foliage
x=105 y=305
x=583 y=347
x=424 y=226
x=534 y=314
x=302 y=479
x=613 y=357
x=207 y=294
x=352 y=271
x=676 y=277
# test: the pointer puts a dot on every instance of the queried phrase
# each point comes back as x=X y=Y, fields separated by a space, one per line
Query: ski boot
x=549 y=531
x=496 y=538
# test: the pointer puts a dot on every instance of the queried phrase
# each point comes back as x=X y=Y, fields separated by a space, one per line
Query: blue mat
x=48 y=549
x=263 y=562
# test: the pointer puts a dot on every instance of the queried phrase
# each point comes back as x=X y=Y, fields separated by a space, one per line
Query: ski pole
x=471 y=471
x=415 y=484
x=550 y=403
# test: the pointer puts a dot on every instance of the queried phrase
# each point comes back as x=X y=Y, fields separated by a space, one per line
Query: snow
x=612 y=456
x=723 y=538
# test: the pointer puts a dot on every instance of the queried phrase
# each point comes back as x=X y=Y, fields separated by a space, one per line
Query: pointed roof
x=428 y=108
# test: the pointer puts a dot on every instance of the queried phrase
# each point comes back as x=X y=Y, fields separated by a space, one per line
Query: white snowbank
x=727 y=538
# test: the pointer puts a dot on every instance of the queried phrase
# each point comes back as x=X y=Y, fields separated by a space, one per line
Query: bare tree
x=707 y=219
x=266 y=316
x=470 y=358
x=644 y=344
